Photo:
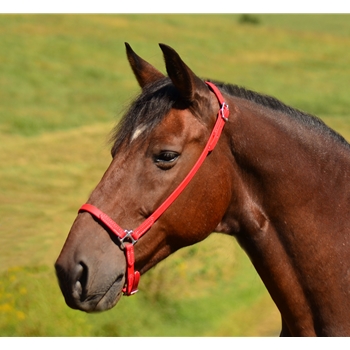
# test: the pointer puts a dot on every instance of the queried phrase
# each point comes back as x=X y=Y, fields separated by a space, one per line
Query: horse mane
x=306 y=119
x=157 y=99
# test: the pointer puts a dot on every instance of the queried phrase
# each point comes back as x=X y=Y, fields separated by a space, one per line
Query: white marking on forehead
x=140 y=129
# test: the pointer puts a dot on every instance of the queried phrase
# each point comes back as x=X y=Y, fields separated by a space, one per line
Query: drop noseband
x=128 y=238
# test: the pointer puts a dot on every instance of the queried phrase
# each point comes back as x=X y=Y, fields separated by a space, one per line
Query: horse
x=191 y=157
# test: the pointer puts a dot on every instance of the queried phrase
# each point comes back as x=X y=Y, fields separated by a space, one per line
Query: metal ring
x=129 y=237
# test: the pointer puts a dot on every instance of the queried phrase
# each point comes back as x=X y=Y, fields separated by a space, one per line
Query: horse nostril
x=81 y=277
x=84 y=274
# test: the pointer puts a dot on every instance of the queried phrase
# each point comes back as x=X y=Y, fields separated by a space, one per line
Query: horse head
x=155 y=146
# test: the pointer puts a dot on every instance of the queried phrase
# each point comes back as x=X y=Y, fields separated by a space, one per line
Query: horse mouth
x=109 y=299
x=91 y=302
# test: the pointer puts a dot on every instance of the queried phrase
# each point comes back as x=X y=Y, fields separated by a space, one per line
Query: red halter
x=128 y=238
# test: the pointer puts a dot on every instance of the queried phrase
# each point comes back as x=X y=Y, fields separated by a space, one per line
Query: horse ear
x=187 y=83
x=144 y=72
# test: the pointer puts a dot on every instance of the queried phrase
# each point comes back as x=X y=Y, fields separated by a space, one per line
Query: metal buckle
x=224 y=108
x=128 y=237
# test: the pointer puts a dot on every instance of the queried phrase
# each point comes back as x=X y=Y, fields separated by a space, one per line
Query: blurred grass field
x=64 y=82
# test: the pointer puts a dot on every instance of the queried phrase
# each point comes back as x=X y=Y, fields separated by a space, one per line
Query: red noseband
x=129 y=238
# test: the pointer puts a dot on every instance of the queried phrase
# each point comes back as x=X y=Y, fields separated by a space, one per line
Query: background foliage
x=64 y=82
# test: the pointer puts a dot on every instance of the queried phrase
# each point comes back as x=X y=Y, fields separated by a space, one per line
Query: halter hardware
x=128 y=238
x=224 y=107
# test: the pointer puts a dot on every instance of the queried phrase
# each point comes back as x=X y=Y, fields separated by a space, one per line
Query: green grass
x=64 y=81
x=50 y=64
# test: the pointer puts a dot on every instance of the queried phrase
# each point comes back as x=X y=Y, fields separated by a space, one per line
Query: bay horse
x=191 y=157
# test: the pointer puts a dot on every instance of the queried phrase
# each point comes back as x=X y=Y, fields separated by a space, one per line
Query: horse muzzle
x=81 y=294
x=90 y=268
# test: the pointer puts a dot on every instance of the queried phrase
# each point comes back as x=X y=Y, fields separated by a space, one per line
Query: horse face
x=91 y=267
x=146 y=168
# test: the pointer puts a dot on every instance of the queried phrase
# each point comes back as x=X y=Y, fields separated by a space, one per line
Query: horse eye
x=166 y=157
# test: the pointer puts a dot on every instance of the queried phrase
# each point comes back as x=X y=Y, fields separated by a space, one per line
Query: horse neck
x=290 y=185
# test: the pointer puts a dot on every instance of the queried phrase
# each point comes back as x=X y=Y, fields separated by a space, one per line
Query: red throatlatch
x=128 y=238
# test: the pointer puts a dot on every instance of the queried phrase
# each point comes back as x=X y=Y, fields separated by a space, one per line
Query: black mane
x=156 y=100
x=275 y=104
